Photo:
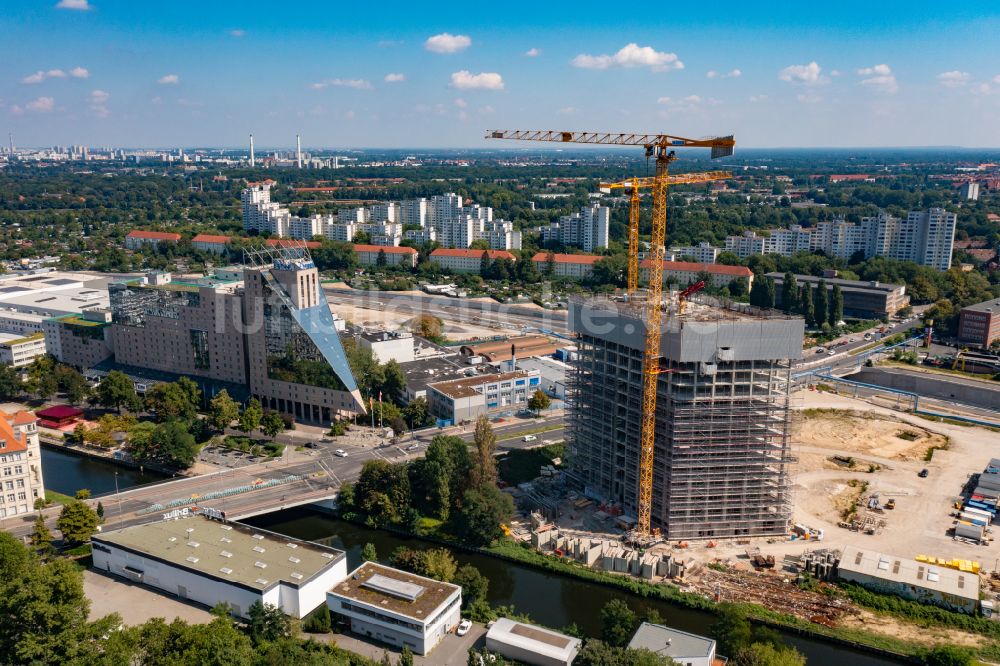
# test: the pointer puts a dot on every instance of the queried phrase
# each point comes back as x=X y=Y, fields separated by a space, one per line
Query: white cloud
x=73 y=4
x=879 y=78
x=466 y=80
x=394 y=78
x=809 y=98
x=688 y=104
x=954 y=78
x=156 y=100
x=757 y=98
x=533 y=52
x=486 y=109
x=79 y=73
x=41 y=105
x=447 y=43
x=40 y=76
x=237 y=32
x=732 y=74
x=98 y=103
x=631 y=55
x=567 y=110
x=359 y=84
x=169 y=79
x=996 y=79
x=461 y=103
x=836 y=72
x=809 y=75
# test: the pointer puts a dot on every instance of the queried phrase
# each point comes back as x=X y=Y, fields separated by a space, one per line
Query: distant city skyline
x=110 y=72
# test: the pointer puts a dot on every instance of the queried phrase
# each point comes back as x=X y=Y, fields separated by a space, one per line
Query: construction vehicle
x=660 y=148
x=960 y=359
x=686 y=294
x=891 y=504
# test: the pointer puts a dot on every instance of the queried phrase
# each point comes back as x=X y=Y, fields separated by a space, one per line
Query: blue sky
x=150 y=73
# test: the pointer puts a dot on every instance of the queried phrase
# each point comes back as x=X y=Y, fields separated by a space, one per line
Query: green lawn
x=52 y=497
x=523 y=465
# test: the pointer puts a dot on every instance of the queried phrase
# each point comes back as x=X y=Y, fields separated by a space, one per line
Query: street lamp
x=119 y=497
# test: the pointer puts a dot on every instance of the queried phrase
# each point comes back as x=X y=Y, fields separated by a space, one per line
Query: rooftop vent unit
x=226 y=527
x=226 y=553
x=172 y=539
x=294 y=560
x=226 y=570
x=260 y=565
x=192 y=559
x=226 y=540
x=258 y=536
x=296 y=575
x=292 y=545
x=261 y=581
x=258 y=549
x=193 y=544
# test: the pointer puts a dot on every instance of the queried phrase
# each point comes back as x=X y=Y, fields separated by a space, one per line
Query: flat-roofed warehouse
x=209 y=561
x=927 y=583
x=530 y=644
x=397 y=607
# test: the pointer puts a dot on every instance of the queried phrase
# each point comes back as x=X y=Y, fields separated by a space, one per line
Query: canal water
x=553 y=600
x=66 y=473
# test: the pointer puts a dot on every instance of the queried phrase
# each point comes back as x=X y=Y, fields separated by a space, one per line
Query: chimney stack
x=252 y=163
x=513 y=358
x=298 y=151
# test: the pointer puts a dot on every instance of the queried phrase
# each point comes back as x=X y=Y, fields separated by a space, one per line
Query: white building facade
x=587 y=229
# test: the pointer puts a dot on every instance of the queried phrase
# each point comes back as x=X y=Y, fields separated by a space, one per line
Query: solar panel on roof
x=394 y=588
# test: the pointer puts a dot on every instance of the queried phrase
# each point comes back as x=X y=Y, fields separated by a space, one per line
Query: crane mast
x=658 y=146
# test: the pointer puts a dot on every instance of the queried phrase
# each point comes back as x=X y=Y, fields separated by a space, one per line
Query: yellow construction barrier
x=968 y=566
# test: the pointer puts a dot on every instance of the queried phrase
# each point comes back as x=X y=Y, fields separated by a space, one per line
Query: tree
x=173 y=444
x=836 y=312
x=428 y=326
x=483 y=509
x=174 y=400
x=77 y=522
x=618 y=623
x=820 y=303
x=732 y=630
x=789 y=293
x=41 y=538
x=380 y=260
x=41 y=378
x=368 y=552
x=417 y=414
x=252 y=415
x=484 y=265
x=550 y=264
x=116 y=390
x=473 y=583
x=406 y=656
x=485 y=465
x=599 y=653
x=72 y=383
x=765 y=654
x=806 y=308
x=223 y=410
x=271 y=424
x=393 y=381
x=10 y=382
x=382 y=491
x=82 y=494
x=267 y=623
x=948 y=655
x=439 y=564
x=758 y=292
x=769 y=292
x=429 y=484
x=100 y=512
x=538 y=401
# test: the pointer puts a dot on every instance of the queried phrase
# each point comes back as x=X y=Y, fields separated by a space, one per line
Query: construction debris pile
x=611 y=556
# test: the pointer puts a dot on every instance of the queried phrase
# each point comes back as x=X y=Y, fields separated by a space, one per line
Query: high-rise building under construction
x=722 y=446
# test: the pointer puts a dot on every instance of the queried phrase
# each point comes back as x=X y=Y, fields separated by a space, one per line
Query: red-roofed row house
x=137 y=238
x=676 y=272
x=466 y=261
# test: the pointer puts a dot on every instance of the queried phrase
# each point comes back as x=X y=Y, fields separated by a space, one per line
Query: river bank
x=85 y=452
x=66 y=471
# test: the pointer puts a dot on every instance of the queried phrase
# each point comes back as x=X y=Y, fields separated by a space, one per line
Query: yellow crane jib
x=660 y=147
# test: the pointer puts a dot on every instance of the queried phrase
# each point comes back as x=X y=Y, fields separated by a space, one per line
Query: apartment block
x=21 y=482
x=684 y=273
x=864 y=299
x=19 y=350
x=925 y=237
x=466 y=261
x=210 y=243
x=722 y=446
x=587 y=229
x=373 y=255
x=702 y=253
x=466 y=399
x=576 y=266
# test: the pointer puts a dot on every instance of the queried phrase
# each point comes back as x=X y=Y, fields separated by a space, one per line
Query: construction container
x=973 y=518
x=969 y=531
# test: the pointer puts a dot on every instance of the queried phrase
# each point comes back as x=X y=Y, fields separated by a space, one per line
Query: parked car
x=528 y=438
x=820 y=350
x=923 y=473
x=340 y=453
x=831 y=352
x=463 y=627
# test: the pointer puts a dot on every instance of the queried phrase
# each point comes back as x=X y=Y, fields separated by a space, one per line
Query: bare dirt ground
x=857 y=432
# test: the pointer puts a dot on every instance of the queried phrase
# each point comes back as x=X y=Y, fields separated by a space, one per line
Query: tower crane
x=660 y=147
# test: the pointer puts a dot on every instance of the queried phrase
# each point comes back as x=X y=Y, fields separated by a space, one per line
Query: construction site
x=694 y=456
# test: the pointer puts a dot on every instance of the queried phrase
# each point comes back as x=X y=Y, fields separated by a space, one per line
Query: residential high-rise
x=969 y=190
x=587 y=229
x=722 y=448
x=252 y=163
x=298 y=151
x=924 y=237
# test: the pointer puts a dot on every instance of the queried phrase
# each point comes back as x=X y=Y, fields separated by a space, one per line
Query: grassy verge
x=52 y=497
x=523 y=465
x=862 y=350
